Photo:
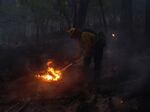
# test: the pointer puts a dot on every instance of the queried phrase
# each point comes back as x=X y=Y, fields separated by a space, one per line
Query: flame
x=51 y=73
x=56 y=73
x=45 y=77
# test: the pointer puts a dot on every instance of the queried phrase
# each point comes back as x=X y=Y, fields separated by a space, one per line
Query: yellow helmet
x=71 y=30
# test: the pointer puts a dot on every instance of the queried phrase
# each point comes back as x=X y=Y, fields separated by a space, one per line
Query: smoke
x=71 y=48
x=126 y=65
x=139 y=81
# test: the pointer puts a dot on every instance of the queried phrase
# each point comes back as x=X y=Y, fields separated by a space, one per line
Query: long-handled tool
x=66 y=67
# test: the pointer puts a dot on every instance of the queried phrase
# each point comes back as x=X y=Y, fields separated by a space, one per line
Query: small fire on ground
x=52 y=74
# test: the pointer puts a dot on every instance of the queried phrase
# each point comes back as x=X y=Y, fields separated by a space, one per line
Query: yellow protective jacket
x=87 y=41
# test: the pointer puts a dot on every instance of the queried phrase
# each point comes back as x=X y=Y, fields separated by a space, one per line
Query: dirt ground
x=76 y=92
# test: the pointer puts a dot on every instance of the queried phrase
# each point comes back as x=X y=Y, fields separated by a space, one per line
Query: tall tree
x=147 y=17
x=41 y=11
x=126 y=16
x=80 y=13
x=103 y=14
x=64 y=10
x=83 y=6
x=73 y=5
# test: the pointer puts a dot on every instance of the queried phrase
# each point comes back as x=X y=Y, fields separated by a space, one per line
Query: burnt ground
x=76 y=92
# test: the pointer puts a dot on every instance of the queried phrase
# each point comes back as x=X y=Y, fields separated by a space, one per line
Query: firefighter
x=91 y=44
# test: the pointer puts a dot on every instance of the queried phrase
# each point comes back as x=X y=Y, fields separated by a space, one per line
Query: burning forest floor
x=76 y=92
x=71 y=94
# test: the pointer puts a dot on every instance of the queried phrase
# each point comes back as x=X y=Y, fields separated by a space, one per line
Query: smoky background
x=24 y=47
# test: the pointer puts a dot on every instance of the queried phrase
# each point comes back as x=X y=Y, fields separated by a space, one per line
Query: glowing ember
x=52 y=74
x=45 y=77
x=114 y=36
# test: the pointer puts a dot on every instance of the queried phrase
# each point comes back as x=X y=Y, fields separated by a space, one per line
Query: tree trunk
x=147 y=18
x=74 y=11
x=126 y=16
x=44 y=27
x=103 y=15
x=37 y=32
x=63 y=11
x=80 y=13
x=67 y=19
x=127 y=39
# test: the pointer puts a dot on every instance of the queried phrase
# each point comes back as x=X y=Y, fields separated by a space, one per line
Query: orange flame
x=51 y=74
